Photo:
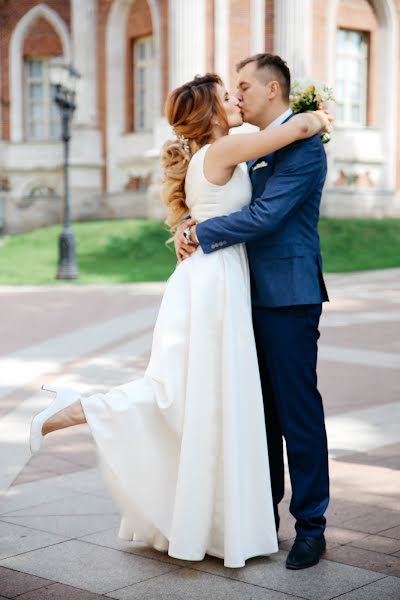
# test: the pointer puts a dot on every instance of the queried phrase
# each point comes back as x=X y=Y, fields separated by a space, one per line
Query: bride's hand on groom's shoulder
x=325 y=117
x=183 y=248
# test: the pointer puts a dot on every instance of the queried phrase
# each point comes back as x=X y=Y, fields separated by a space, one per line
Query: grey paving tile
x=15 y=539
x=322 y=582
x=89 y=481
x=377 y=543
x=375 y=522
x=58 y=591
x=394 y=533
x=387 y=588
x=70 y=517
x=89 y=567
x=110 y=539
x=365 y=559
x=187 y=584
x=13 y=583
x=66 y=525
x=34 y=493
x=84 y=504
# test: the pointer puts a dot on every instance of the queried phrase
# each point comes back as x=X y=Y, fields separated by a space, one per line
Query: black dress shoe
x=305 y=552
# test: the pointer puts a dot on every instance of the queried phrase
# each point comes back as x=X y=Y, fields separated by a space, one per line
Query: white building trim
x=115 y=79
x=187 y=40
x=84 y=42
x=16 y=61
x=257 y=26
x=221 y=40
x=388 y=67
x=293 y=23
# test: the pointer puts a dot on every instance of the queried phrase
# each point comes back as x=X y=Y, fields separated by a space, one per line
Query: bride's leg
x=69 y=416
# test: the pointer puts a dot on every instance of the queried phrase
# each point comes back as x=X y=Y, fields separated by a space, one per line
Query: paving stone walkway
x=58 y=524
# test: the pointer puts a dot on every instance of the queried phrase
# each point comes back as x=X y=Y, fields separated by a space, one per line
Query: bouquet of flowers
x=308 y=94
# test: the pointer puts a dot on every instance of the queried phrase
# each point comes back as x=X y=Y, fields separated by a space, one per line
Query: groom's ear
x=273 y=89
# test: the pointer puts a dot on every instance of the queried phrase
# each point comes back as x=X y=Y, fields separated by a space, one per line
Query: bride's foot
x=64 y=411
x=72 y=415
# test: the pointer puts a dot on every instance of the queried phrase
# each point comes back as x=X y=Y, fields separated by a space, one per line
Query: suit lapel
x=251 y=164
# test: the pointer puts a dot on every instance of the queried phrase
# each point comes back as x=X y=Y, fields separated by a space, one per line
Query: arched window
x=41 y=44
x=355 y=70
x=38 y=36
x=351 y=88
x=143 y=60
x=42 y=119
x=140 y=60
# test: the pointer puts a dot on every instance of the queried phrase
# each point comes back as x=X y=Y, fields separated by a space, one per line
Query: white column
x=257 y=26
x=293 y=35
x=187 y=40
x=84 y=41
x=221 y=39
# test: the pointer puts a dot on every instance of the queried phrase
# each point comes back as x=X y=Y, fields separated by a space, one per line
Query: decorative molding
x=387 y=65
x=16 y=61
x=116 y=84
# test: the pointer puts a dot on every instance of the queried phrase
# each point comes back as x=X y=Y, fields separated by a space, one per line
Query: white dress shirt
x=279 y=120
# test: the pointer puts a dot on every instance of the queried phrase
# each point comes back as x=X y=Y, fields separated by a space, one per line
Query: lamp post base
x=67 y=268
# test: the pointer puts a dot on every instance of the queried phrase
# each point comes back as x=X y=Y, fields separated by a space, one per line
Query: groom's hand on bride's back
x=183 y=248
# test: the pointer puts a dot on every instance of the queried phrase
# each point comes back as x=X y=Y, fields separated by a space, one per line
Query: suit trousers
x=286 y=339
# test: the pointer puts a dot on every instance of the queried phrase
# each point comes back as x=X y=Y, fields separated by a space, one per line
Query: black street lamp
x=64 y=78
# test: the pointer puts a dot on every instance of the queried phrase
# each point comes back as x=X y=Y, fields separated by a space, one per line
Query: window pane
x=55 y=132
x=36 y=92
x=37 y=112
x=355 y=91
x=36 y=130
x=351 y=76
x=355 y=113
x=35 y=69
x=141 y=51
x=143 y=76
x=42 y=116
x=339 y=112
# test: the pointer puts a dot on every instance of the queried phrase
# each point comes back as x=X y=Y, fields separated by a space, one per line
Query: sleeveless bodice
x=206 y=200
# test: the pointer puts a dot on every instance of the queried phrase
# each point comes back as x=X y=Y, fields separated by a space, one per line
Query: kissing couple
x=193 y=451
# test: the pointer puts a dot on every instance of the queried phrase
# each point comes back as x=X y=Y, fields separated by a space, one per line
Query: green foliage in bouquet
x=308 y=94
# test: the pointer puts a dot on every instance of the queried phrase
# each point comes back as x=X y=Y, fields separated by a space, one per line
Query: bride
x=184 y=448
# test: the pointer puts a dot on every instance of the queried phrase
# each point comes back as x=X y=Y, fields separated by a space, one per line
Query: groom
x=280 y=227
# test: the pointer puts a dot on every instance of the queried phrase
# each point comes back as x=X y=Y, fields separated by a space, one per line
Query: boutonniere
x=260 y=165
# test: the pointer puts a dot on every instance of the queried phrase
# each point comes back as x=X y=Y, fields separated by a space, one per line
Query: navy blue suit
x=280 y=227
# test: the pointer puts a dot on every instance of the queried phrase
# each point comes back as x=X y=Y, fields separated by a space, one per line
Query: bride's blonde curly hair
x=190 y=110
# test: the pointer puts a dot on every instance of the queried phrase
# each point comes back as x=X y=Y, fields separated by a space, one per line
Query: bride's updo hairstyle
x=190 y=110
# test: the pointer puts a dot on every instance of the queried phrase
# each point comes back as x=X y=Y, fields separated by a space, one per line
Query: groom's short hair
x=270 y=64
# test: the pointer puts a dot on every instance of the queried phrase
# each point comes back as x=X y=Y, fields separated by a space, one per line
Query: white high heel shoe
x=64 y=397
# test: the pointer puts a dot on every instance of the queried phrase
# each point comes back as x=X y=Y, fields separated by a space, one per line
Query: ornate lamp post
x=64 y=78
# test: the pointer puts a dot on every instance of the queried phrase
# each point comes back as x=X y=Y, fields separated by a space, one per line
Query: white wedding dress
x=184 y=448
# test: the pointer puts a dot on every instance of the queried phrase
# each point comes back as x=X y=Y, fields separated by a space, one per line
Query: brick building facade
x=132 y=52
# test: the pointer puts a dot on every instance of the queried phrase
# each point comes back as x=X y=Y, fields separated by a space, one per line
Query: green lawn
x=134 y=250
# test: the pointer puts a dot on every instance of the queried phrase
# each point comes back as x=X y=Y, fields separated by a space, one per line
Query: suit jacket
x=279 y=226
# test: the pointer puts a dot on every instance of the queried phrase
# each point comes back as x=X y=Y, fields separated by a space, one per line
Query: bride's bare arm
x=227 y=152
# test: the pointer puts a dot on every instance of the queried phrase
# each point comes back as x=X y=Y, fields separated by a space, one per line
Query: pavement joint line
x=71 y=495
x=363 y=430
x=34 y=549
x=67 y=539
x=382 y=576
x=158 y=560
x=16 y=422
x=359 y=356
x=177 y=567
x=83 y=362
x=349 y=318
x=262 y=587
x=361 y=586
x=24 y=366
